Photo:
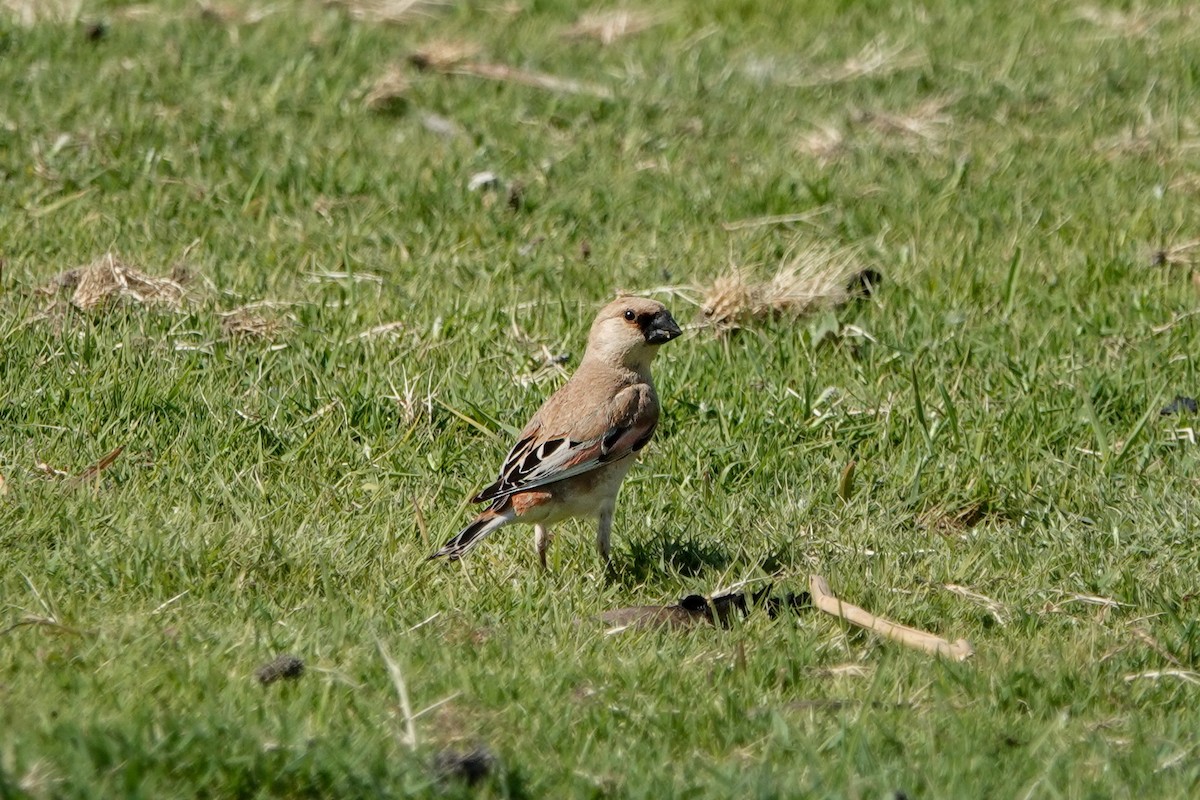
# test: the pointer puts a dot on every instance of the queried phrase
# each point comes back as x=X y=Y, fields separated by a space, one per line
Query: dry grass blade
x=927 y=120
x=389 y=329
x=43 y=622
x=844 y=671
x=774 y=219
x=3 y=485
x=995 y=608
x=95 y=469
x=409 y=738
x=538 y=80
x=1159 y=674
x=108 y=279
x=876 y=59
x=608 y=26
x=809 y=280
x=393 y=12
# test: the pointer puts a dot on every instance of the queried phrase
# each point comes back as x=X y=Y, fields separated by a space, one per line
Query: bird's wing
x=545 y=454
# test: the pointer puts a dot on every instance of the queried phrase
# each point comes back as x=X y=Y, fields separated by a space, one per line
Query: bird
x=570 y=459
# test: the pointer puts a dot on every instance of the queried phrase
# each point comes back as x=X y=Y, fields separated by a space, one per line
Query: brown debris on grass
x=95 y=469
x=232 y=15
x=609 y=25
x=876 y=59
x=441 y=55
x=954 y=520
x=28 y=13
x=826 y=143
x=451 y=57
x=393 y=12
x=1185 y=254
x=993 y=607
x=927 y=120
x=1135 y=23
x=250 y=321
x=809 y=280
x=921 y=127
x=87 y=474
x=388 y=92
x=109 y=279
x=524 y=77
x=1163 y=137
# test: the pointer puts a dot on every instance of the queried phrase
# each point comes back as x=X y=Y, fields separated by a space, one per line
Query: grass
x=1025 y=181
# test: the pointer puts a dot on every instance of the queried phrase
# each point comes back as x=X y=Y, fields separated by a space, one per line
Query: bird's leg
x=604 y=534
x=541 y=540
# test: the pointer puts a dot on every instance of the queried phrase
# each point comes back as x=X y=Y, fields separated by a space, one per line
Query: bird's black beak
x=661 y=328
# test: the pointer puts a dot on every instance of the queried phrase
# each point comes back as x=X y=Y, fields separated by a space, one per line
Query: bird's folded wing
x=545 y=455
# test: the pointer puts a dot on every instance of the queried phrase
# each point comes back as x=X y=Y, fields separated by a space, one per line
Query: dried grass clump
x=927 y=120
x=608 y=26
x=455 y=58
x=1184 y=254
x=393 y=12
x=441 y=55
x=250 y=321
x=825 y=143
x=812 y=279
x=1135 y=23
x=877 y=59
x=389 y=91
x=924 y=126
x=30 y=12
x=109 y=279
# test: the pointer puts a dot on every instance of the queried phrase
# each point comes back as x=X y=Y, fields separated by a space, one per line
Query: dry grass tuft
x=250 y=321
x=927 y=120
x=809 y=280
x=231 y=14
x=109 y=279
x=538 y=80
x=392 y=12
x=441 y=55
x=608 y=26
x=956 y=520
x=826 y=143
x=924 y=126
x=876 y=59
x=1134 y=23
x=1184 y=254
x=454 y=58
x=31 y=12
x=1164 y=138
x=389 y=91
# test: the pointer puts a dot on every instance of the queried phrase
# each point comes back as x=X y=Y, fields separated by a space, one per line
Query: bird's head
x=628 y=331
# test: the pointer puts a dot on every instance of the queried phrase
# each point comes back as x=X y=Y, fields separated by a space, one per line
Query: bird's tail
x=465 y=540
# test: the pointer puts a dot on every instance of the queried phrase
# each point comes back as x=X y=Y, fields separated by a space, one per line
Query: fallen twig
x=824 y=599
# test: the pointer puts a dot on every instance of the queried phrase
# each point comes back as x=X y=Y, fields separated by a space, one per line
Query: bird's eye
x=629 y=315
